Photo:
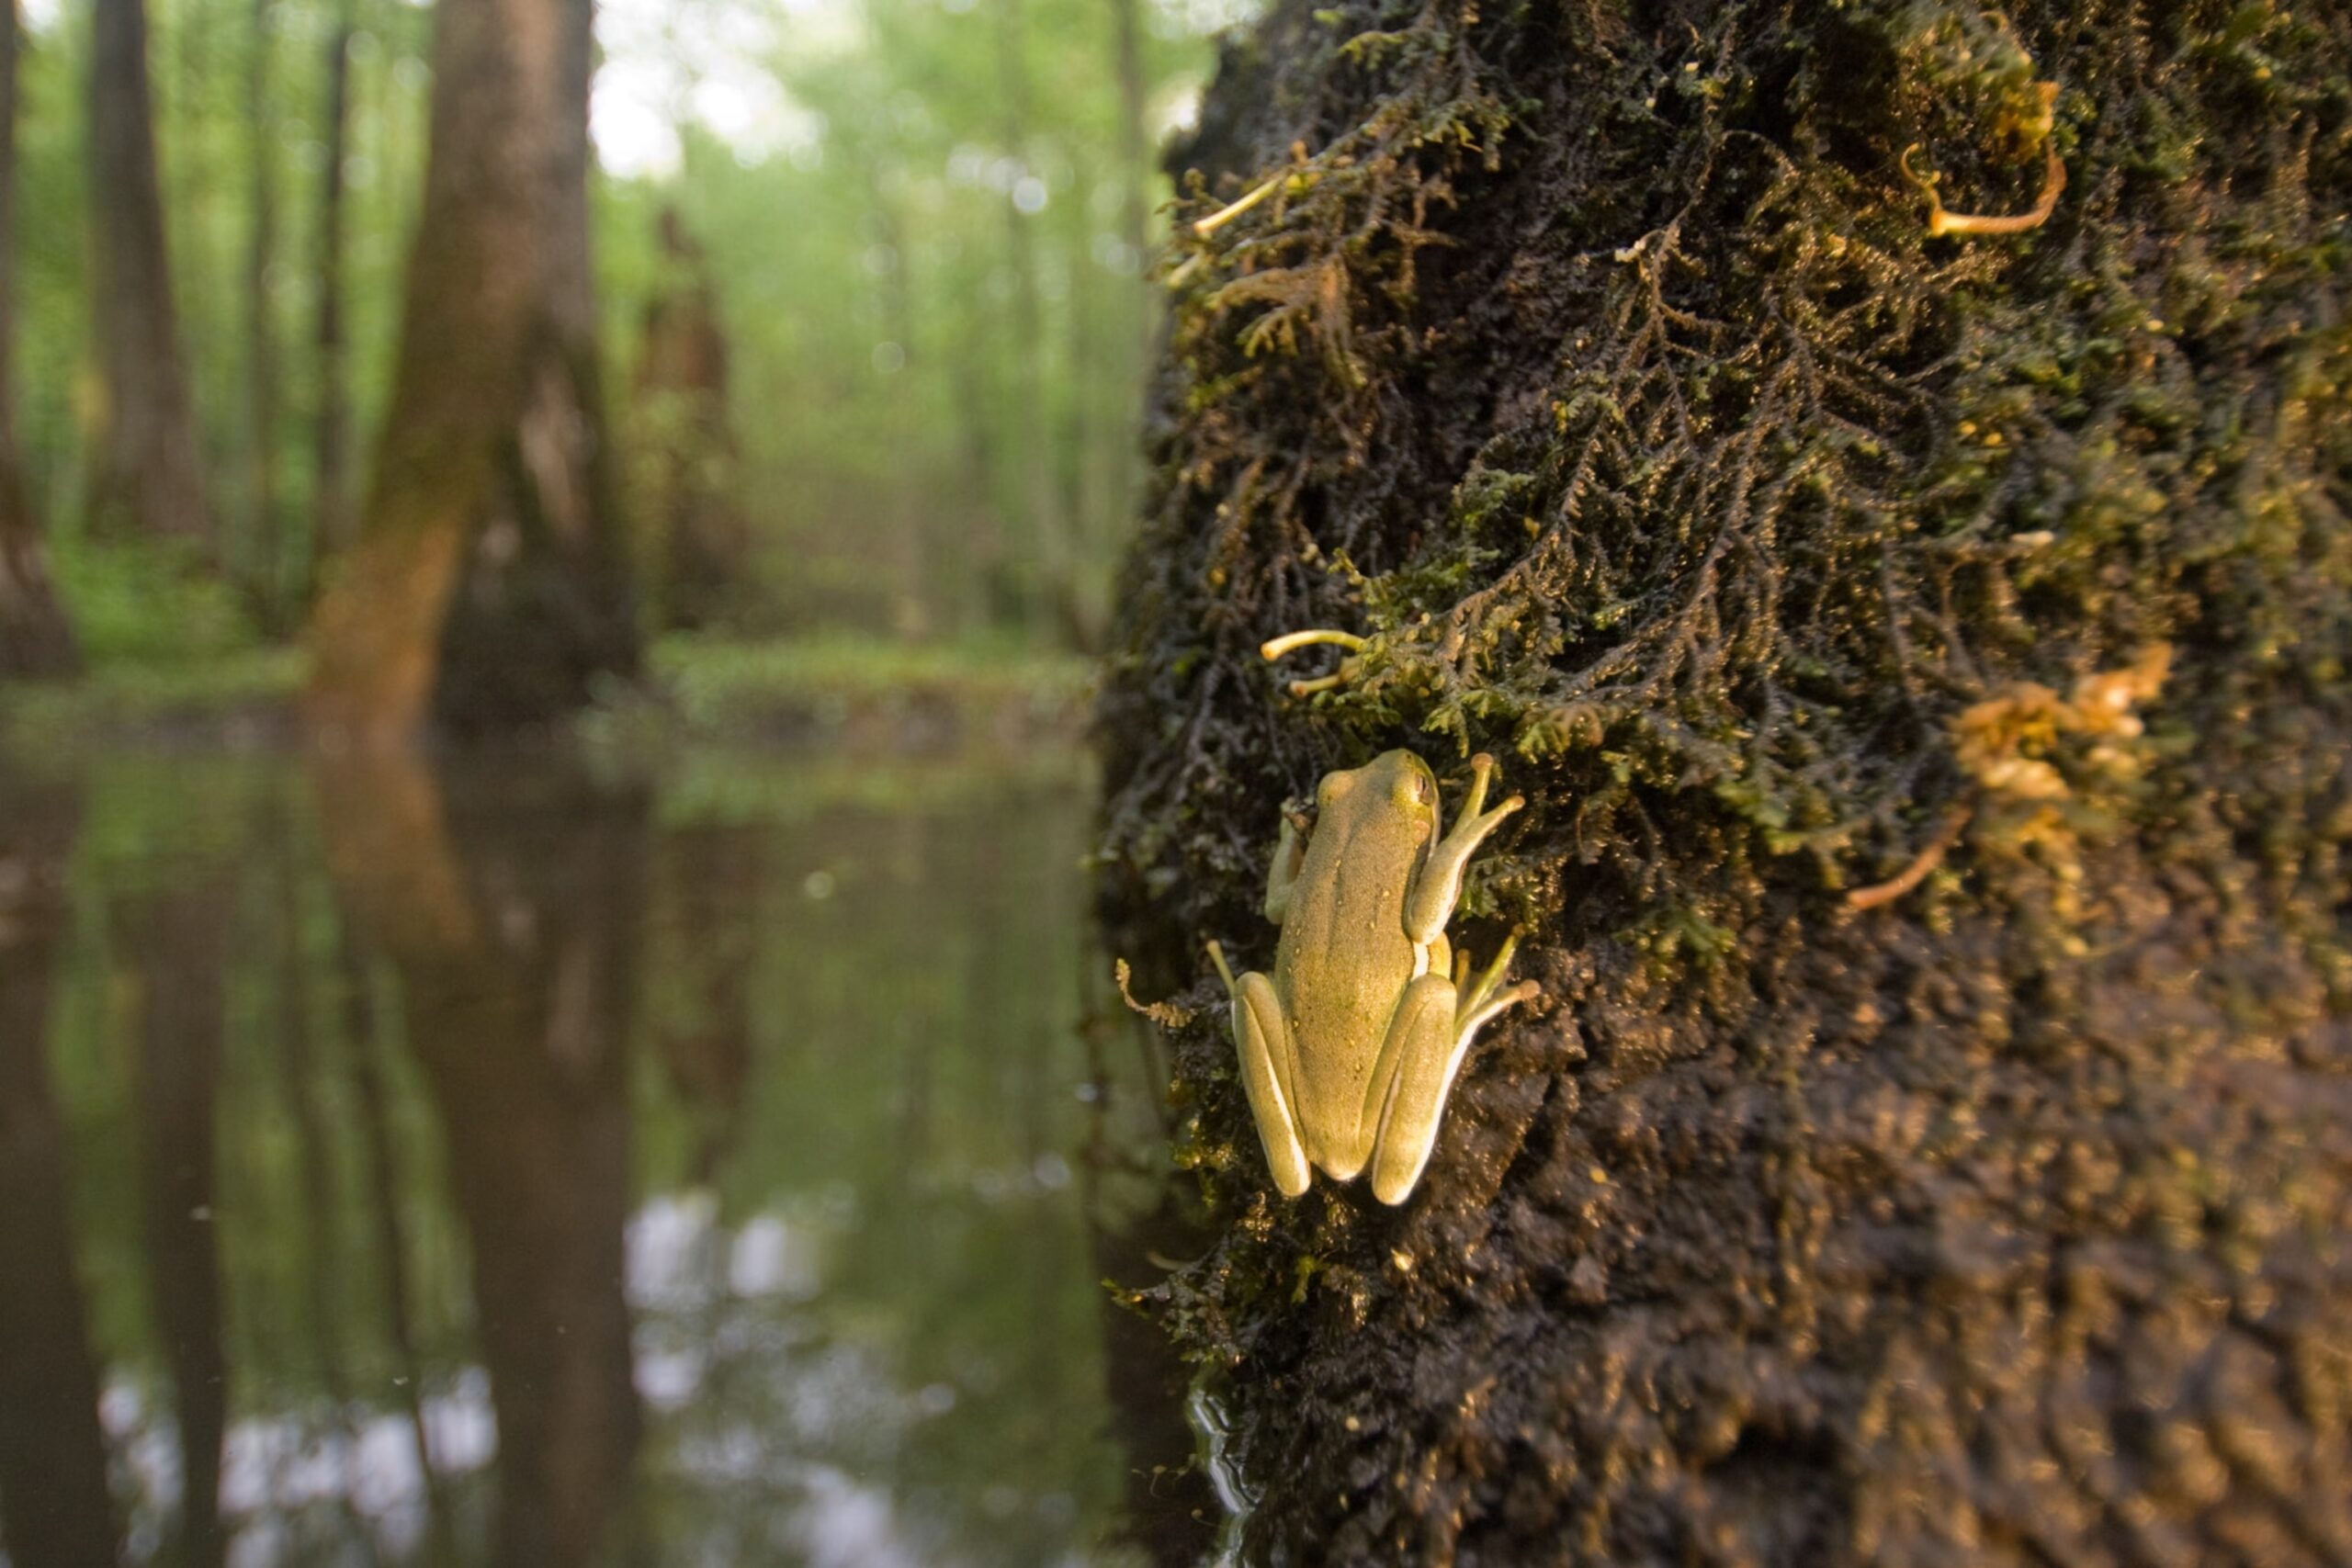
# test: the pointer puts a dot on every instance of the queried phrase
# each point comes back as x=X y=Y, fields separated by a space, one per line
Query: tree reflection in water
x=53 y=1505
x=505 y=1164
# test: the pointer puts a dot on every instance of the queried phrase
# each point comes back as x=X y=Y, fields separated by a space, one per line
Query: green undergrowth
x=878 y=695
x=243 y=695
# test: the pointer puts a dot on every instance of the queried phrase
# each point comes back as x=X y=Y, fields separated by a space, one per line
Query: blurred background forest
x=869 y=279
x=700 y=1139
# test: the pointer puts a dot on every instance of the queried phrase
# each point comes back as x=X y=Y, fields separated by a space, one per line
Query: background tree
x=331 y=519
x=686 y=452
x=1916 y=614
x=488 y=587
x=34 y=636
x=147 y=474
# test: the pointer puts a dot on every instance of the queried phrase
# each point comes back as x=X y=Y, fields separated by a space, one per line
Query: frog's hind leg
x=1261 y=1035
x=1444 y=1024
x=1410 y=1081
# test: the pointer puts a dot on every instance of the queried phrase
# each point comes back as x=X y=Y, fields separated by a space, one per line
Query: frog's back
x=1342 y=964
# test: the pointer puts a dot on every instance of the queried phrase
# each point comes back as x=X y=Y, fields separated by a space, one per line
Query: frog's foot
x=1482 y=1001
x=1276 y=647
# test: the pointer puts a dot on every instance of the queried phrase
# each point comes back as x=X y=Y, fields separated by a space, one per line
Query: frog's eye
x=1417 y=789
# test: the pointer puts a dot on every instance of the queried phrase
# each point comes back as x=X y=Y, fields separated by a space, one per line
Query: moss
x=1596 y=365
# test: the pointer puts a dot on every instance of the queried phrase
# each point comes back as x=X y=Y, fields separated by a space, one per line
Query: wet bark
x=688 y=454
x=1921 y=651
x=35 y=639
x=54 y=1508
x=146 y=464
x=489 y=589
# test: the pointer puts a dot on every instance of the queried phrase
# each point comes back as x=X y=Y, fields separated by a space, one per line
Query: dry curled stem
x=1167 y=1015
x=1941 y=221
x=1930 y=856
x=1276 y=647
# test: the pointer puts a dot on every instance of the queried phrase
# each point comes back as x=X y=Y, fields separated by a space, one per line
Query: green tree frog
x=1350 y=1049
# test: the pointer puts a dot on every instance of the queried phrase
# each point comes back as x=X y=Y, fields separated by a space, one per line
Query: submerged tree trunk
x=34 y=636
x=54 y=1508
x=1916 y=616
x=175 y=953
x=146 y=474
x=510 y=905
x=489 y=589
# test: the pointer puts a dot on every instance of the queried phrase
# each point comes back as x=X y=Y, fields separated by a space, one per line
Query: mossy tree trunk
x=35 y=638
x=1924 y=655
x=489 y=588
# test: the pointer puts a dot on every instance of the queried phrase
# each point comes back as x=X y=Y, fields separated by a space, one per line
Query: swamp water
x=508 y=1164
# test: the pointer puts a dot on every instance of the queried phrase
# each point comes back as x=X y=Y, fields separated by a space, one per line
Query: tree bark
x=147 y=472
x=489 y=589
x=268 y=590
x=331 y=518
x=1043 y=581
x=689 y=454
x=1915 y=618
x=35 y=639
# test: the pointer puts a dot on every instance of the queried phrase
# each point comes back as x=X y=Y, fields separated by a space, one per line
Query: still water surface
x=510 y=1164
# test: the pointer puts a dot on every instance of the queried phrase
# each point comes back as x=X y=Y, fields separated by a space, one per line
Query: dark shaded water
x=508 y=1165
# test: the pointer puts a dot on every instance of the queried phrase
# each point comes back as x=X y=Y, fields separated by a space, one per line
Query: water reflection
x=505 y=1163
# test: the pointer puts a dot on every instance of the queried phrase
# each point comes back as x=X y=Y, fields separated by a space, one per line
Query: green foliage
x=916 y=167
x=145 y=603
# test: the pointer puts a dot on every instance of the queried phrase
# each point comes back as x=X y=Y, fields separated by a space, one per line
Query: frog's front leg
x=1438 y=887
x=1431 y=1036
x=1261 y=1035
x=1281 y=875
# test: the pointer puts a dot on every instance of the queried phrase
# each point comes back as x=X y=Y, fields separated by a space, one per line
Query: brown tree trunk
x=331 y=520
x=1042 y=579
x=147 y=475
x=489 y=588
x=261 y=334
x=34 y=636
x=689 y=452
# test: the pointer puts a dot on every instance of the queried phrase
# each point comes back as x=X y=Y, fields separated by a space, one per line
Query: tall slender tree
x=1046 y=574
x=147 y=474
x=261 y=331
x=331 y=519
x=34 y=636
x=489 y=588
